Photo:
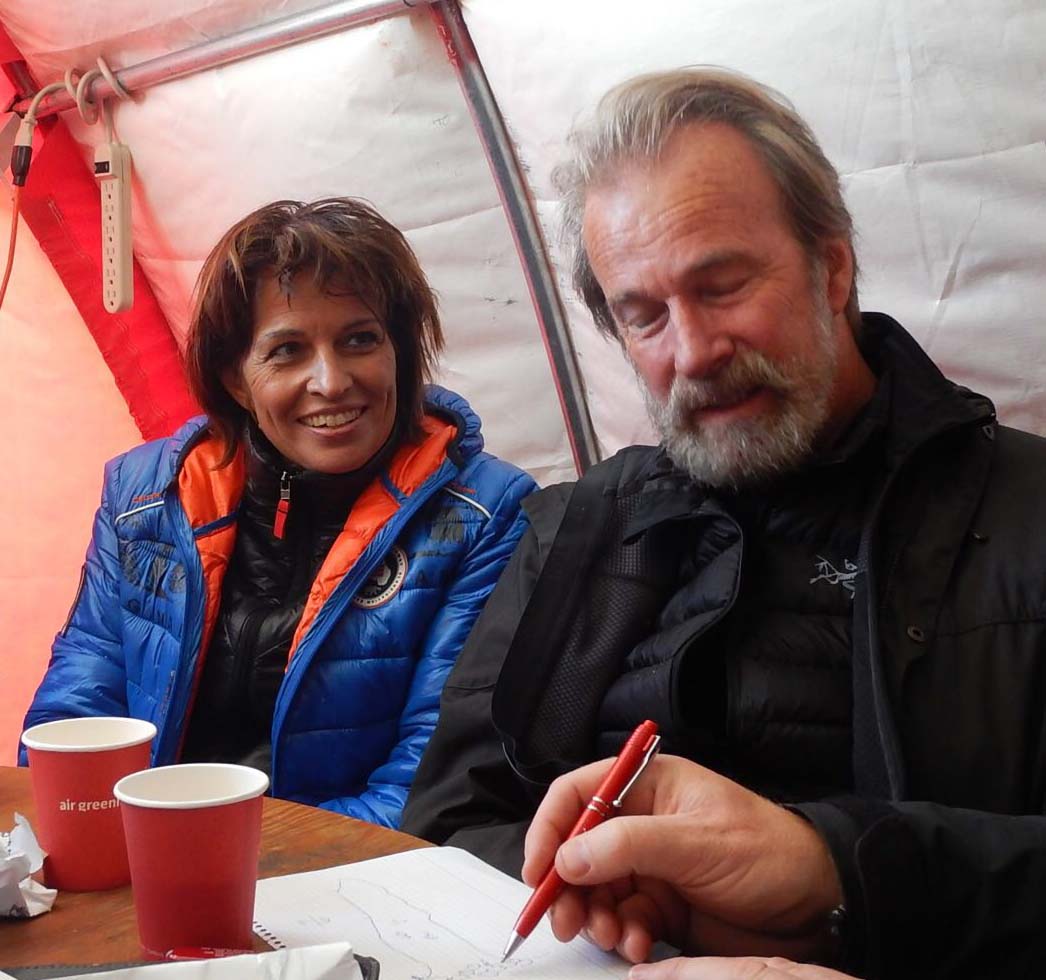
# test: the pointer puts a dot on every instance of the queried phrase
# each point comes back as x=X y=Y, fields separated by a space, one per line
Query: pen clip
x=651 y=751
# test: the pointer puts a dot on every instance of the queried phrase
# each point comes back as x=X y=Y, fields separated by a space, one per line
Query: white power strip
x=112 y=170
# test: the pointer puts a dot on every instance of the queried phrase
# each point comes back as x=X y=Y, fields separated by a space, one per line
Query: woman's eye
x=363 y=340
x=282 y=351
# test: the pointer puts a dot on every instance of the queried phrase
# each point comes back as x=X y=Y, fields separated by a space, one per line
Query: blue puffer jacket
x=386 y=616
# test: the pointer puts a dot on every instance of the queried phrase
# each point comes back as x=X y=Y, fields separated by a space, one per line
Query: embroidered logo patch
x=827 y=572
x=386 y=581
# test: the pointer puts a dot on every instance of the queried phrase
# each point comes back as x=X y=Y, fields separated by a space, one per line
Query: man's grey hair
x=635 y=120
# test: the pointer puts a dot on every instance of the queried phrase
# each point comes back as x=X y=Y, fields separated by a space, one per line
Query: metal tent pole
x=515 y=199
x=244 y=44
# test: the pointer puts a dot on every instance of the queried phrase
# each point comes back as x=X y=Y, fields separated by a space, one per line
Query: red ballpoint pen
x=640 y=748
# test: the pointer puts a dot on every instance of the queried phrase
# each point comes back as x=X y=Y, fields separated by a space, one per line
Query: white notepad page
x=433 y=914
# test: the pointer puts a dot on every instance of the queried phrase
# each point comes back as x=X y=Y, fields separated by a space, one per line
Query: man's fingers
x=707 y=968
x=642 y=922
x=669 y=786
x=723 y=968
x=563 y=804
x=604 y=925
x=625 y=846
x=568 y=914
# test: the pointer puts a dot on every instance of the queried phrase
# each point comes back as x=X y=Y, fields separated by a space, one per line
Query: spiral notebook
x=434 y=913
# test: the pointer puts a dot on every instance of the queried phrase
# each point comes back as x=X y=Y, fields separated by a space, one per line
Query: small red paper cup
x=73 y=766
x=193 y=836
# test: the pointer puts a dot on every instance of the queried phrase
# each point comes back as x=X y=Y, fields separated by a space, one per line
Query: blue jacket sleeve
x=386 y=794
x=86 y=674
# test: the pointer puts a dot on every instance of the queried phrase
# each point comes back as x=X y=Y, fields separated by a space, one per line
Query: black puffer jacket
x=942 y=850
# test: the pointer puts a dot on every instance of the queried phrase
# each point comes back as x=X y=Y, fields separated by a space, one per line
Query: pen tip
x=512 y=946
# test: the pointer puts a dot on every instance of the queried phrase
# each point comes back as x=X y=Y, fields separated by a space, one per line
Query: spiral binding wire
x=271 y=938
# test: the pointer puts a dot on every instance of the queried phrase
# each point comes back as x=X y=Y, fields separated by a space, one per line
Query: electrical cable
x=16 y=200
x=88 y=109
x=21 y=157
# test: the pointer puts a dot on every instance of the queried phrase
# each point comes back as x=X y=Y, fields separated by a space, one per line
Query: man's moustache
x=689 y=396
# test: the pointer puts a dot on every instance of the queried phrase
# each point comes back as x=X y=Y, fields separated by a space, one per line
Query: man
x=826 y=585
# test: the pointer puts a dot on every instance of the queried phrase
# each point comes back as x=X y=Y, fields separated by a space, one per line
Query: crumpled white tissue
x=20 y=855
x=333 y=961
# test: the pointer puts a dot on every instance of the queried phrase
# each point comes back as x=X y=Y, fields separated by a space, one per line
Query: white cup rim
x=138 y=731
x=129 y=791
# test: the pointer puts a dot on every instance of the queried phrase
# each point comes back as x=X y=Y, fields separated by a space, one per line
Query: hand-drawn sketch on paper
x=433 y=914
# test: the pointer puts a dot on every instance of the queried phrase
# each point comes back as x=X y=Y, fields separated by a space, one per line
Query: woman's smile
x=332 y=420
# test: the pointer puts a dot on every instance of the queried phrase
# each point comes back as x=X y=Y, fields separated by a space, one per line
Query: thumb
x=679 y=969
x=729 y=968
x=625 y=846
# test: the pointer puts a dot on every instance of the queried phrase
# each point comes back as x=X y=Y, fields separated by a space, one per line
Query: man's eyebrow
x=707 y=263
x=625 y=298
x=716 y=260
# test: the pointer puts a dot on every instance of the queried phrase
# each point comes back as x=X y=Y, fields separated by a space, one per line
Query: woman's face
x=319 y=377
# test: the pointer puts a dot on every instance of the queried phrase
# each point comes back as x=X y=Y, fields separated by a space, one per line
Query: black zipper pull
x=283 y=506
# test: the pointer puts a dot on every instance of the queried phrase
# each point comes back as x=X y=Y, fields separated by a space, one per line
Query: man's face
x=732 y=329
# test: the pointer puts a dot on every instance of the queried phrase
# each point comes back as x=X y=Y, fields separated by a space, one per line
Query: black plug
x=20 y=159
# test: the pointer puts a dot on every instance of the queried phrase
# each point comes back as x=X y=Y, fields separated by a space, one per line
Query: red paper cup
x=193 y=834
x=73 y=765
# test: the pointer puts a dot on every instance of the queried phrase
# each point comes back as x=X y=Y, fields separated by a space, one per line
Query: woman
x=287 y=581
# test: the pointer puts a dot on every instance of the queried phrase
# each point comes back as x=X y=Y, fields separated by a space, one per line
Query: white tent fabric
x=934 y=112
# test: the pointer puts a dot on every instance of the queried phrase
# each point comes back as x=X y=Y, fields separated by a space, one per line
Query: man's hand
x=695 y=859
x=746 y=968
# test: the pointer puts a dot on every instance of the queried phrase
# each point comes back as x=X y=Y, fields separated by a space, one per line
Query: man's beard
x=748 y=451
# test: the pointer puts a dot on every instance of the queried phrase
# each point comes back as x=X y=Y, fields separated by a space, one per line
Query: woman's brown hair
x=346 y=247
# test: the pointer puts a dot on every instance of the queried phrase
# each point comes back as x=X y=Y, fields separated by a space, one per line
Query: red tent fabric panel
x=60 y=203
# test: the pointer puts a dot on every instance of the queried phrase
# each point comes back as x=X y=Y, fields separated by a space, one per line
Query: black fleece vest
x=765 y=694
x=758 y=628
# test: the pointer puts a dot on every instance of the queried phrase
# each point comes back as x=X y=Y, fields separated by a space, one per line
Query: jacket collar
x=328 y=496
x=924 y=403
x=451 y=407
